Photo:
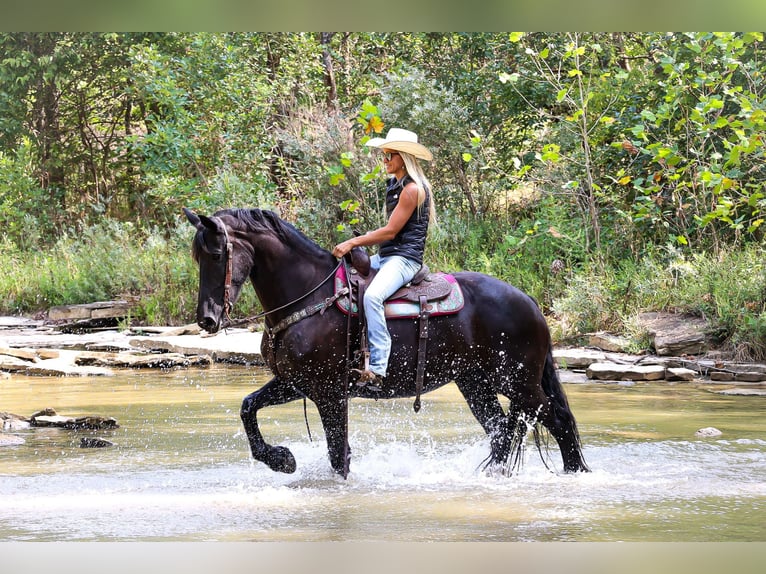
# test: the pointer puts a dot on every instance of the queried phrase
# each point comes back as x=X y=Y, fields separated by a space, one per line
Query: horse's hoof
x=280 y=459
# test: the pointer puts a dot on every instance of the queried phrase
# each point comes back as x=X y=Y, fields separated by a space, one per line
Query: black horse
x=498 y=343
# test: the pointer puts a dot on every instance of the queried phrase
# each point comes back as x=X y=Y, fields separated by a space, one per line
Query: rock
x=25 y=354
x=708 y=431
x=676 y=334
x=230 y=345
x=97 y=310
x=46 y=412
x=15 y=425
x=577 y=358
x=722 y=376
x=11 y=422
x=615 y=372
x=573 y=377
x=59 y=368
x=140 y=360
x=743 y=392
x=16 y=322
x=72 y=423
x=190 y=329
x=679 y=374
x=750 y=377
x=95 y=442
x=51 y=421
x=13 y=364
x=608 y=342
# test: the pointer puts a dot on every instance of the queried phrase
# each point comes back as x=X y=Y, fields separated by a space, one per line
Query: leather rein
x=290 y=319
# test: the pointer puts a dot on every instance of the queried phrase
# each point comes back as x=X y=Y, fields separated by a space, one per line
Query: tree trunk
x=329 y=72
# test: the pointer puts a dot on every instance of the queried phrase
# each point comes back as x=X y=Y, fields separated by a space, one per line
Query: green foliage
x=589 y=169
x=107 y=261
x=727 y=289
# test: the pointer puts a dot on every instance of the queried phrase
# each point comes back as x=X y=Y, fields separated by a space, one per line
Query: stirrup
x=368 y=379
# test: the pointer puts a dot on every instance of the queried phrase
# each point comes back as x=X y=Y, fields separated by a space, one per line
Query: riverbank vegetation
x=605 y=174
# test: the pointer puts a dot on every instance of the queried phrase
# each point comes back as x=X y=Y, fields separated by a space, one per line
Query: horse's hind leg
x=547 y=404
x=275 y=392
x=482 y=399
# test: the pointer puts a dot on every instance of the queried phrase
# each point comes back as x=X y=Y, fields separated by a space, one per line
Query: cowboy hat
x=402 y=140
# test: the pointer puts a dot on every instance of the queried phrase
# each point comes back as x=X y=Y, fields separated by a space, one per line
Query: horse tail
x=561 y=412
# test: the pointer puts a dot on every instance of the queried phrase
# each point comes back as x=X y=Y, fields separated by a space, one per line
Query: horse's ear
x=192 y=217
x=209 y=223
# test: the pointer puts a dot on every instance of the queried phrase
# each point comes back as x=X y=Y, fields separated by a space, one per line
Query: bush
x=109 y=261
x=729 y=290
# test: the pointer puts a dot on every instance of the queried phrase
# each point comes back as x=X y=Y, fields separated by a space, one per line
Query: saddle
x=434 y=287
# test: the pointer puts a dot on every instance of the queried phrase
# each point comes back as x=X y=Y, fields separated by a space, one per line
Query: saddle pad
x=399 y=308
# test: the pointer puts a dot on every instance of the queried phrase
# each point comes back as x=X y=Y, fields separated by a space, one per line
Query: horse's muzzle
x=209 y=324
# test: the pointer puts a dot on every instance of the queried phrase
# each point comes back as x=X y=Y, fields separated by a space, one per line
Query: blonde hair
x=416 y=173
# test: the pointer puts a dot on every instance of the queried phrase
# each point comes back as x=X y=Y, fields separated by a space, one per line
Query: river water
x=180 y=469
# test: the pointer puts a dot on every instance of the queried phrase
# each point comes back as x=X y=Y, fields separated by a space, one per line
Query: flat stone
x=51 y=421
x=750 y=377
x=95 y=442
x=577 y=358
x=13 y=364
x=16 y=322
x=74 y=423
x=708 y=431
x=615 y=372
x=97 y=310
x=572 y=377
x=58 y=368
x=676 y=334
x=743 y=392
x=232 y=345
x=608 y=342
x=721 y=376
x=140 y=360
x=679 y=374
x=11 y=422
x=26 y=354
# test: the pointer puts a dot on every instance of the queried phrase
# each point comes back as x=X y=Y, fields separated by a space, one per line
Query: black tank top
x=410 y=242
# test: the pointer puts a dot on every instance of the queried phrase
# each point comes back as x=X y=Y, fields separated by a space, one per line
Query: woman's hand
x=342 y=248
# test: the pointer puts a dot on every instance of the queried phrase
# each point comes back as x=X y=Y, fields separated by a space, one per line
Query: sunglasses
x=387 y=156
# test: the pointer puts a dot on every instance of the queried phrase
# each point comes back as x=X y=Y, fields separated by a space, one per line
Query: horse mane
x=265 y=221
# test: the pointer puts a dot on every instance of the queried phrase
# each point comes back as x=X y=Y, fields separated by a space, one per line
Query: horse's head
x=222 y=269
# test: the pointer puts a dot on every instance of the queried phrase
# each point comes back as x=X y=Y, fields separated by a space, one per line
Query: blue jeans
x=393 y=272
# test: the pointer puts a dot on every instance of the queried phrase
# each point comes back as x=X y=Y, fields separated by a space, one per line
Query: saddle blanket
x=399 y=308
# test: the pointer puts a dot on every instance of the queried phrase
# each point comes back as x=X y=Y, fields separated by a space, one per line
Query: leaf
x=515 y=36
x=375 y=124
x=624 y=180
x=467 y=157
x=509 y=78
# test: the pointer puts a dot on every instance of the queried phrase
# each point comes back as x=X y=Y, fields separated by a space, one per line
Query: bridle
x=229 y=271
x=290 y=319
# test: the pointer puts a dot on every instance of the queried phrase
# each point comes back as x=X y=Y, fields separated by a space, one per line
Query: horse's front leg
x=275 y=392
x=333 y=410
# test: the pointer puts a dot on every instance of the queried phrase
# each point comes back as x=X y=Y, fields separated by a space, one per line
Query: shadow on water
x=181 y=469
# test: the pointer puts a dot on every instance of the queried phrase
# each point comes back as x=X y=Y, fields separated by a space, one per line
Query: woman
x=402 y=239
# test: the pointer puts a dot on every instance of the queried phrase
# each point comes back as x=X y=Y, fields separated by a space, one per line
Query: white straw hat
x=402 y=140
